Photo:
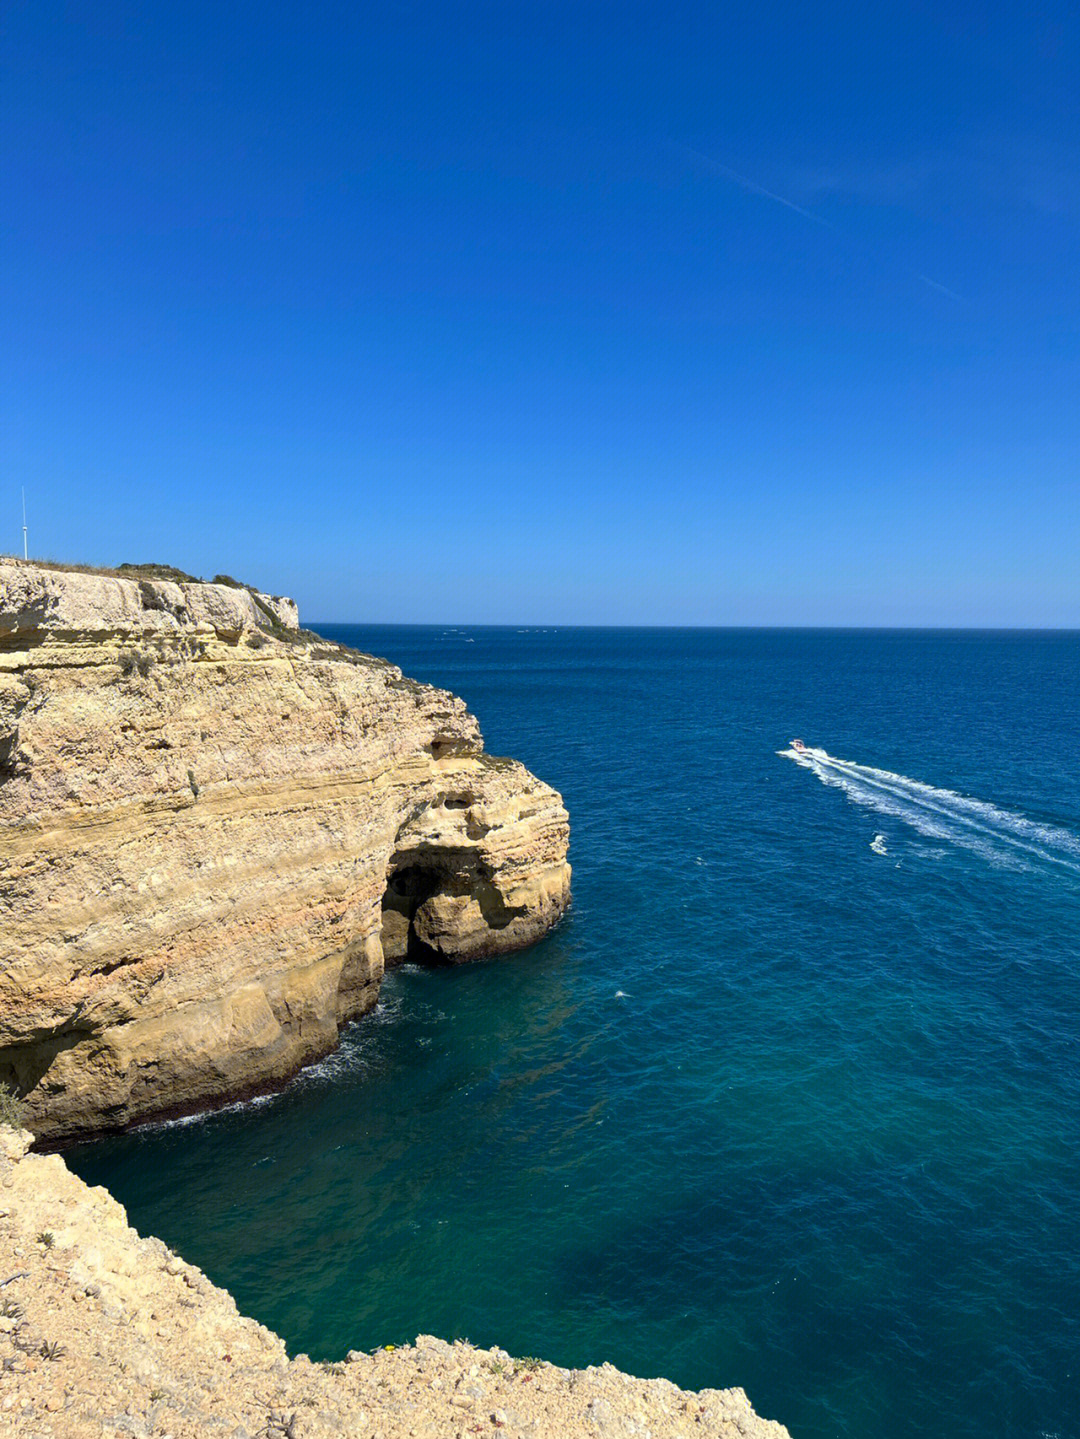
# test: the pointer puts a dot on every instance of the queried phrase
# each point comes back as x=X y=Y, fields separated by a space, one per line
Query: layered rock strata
x=105 y=1335
x=215 y=831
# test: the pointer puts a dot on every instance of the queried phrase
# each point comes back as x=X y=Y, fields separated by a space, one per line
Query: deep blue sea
x=791 y=1100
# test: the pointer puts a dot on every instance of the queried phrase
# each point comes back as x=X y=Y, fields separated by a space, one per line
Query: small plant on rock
x=280 y=1426
x=131 y=660
x=12 y=1109
x=50 y=1349
x=46 y=1239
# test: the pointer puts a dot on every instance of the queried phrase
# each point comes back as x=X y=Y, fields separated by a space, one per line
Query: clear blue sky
x=595 y=313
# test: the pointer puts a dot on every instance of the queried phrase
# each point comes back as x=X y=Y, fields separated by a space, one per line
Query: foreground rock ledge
x=216 y=830
x=108 y=1335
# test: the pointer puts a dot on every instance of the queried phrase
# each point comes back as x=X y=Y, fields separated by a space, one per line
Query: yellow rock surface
x=216 y=829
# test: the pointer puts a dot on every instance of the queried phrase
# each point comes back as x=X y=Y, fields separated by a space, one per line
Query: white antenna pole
x=24 y=554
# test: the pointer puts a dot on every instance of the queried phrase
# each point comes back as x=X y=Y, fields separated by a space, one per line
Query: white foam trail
x=997 y=834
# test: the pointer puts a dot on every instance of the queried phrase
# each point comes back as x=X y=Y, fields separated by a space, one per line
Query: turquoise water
x=770 y=1108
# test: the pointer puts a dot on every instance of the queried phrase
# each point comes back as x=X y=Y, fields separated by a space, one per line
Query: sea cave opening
x=407 y=889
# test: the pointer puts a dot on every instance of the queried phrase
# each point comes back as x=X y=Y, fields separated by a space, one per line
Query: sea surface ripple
x=791 y=1100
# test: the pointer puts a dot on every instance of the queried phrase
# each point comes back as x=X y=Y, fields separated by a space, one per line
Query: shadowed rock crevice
x=449 y=894
x=438 y=905
x=408 y=888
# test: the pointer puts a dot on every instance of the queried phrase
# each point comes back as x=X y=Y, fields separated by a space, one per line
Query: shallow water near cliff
x=791 y=1100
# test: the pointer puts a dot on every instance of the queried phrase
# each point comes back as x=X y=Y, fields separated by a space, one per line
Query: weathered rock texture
x=215 y=829
x=104 y=1335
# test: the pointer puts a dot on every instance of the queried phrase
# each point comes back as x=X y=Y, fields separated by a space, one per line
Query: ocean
x=790 y=1100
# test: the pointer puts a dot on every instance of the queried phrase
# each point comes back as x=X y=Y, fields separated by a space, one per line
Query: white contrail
x=755 y=189
x=944 y=289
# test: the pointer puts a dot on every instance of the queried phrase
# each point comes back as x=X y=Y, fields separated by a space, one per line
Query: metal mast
x=24 y=554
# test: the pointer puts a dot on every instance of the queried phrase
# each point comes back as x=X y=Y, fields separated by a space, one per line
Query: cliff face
x=216 y=829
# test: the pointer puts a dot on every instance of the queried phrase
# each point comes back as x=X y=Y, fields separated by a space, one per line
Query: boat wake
x=998 y=835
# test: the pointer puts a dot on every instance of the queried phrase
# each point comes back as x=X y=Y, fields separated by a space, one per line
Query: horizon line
x=774 y=629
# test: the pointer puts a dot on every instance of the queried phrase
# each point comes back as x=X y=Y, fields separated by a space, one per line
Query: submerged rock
x=215 y=831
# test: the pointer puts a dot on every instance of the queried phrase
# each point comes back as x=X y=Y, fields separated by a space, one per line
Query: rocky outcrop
x=215 y=831
x=104 y=1334
x=70 y=604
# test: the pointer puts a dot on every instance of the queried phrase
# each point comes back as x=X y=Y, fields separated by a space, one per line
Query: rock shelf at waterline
x=217 y=829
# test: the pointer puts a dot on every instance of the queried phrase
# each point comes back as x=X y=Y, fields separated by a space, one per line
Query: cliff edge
x=105 y=1335
x=216 y=830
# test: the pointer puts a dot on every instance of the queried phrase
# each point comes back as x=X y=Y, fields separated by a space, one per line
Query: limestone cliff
x=216 y=829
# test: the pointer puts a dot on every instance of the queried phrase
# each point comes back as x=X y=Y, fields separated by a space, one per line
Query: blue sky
x=551 y=313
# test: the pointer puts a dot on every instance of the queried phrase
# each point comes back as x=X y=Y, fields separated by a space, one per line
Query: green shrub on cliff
x=131 y=660
x=12 y=1108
